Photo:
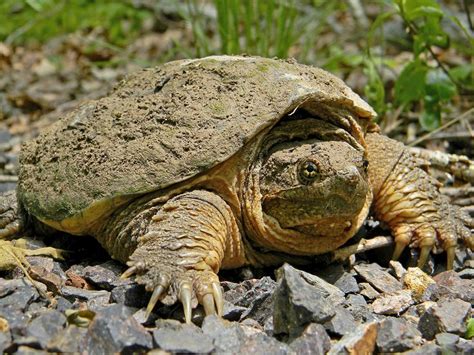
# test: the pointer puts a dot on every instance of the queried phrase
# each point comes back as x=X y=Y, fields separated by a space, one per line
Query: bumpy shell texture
x=167 y=124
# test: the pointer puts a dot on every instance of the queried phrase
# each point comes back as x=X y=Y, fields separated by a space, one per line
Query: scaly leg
x=407 y=198
x=12 y=253
x=10 y=222
x=184 y=247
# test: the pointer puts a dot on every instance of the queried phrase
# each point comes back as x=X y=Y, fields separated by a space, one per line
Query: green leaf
x=461 y=72
x=439 y=86
x=470 y=329
x=421 y=8
x=375 y=90
x=430 y=119
x=410 y=85
x=38 y=5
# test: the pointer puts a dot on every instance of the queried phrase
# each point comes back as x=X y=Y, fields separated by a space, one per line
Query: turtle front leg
x=407 y=198
x=187 y=241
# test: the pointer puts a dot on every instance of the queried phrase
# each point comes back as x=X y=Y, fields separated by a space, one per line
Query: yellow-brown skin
x=258 y=210
x=263 y=207
x=304 y=188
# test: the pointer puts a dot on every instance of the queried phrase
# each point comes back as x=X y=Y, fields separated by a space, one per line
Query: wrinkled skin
x=299 y=197
x=300 y=188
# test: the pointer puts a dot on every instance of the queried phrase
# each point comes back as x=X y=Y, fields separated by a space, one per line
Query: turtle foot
x=433 y=236
x=420 y=216
x=170 y=283
x=10 y=222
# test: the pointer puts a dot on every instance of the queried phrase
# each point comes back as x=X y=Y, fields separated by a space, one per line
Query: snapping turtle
x=212 y=163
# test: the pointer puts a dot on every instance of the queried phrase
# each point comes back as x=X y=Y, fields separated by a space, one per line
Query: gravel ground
x=81 y=305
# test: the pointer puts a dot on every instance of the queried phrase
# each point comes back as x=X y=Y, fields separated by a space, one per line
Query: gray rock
x=450 y=285
x=355 y=300
x=105 y=276
x=45 y=275
x=232 y=338
x=342 y=323
x=232 y=312
x=31 y=342
x=5 y=136
x=398 y=269
x=251 y=326
x=300 y=299
x=393 y=303
x=361 y=312
x=45 y=326
x=131 y=295
x=62 y=304
x=17 y=320
x=447 y=341
x=17 y=294
x=397 y=335
x=260 y=287
x=260 y=309
x=261 y=344
x=5 y=341
x=251 y=299
x=43 y=261
x=115 y=330
x=330 y=273
x=233 y=292
x=347 y=283
x=73 y=293
x=313 y=340
x=378 y=277
x=445 y=316
x=184 y=338
x=360 y=341
x=337 y=276
x=68 y=340
x=411 y=315
x=26 y=350
x=268 y=326
x=227 y=336
x=368 y=291
x=465 y=346
x=466 y=273
x=427 y=349
x=242 y=294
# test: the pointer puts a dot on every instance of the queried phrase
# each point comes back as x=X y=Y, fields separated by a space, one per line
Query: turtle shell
x=167 y=124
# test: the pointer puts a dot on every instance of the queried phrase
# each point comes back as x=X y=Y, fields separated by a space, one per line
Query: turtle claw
x=424 y=255
x=132 y=270
x=398 y=250
x=218 y=298
x=208 y=303
x=155 y=297
x=185 y=296
x=450 y=252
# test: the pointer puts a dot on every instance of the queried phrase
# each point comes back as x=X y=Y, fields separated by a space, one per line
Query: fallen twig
x=362 y=246
x=446 y=125
x=8 y=178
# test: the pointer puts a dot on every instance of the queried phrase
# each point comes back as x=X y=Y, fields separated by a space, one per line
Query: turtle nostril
x=351 y=175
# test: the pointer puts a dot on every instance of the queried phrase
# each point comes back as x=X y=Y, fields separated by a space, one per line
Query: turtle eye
x=308 y=172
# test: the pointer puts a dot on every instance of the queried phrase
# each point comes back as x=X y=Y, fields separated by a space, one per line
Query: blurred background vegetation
x=411 y=59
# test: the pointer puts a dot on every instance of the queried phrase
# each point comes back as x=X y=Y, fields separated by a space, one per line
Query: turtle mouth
x=326 y=228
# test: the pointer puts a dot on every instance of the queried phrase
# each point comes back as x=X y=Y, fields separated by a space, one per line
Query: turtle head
x=314 y=190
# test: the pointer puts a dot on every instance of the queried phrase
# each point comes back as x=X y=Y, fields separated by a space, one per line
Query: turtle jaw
x=327 y=209
x=317 y=237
